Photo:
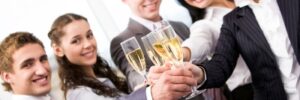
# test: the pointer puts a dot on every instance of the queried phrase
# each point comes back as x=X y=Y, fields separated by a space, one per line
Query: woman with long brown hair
x=79 y=63
x=85 y=75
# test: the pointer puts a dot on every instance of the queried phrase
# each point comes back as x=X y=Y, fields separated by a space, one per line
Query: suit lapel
x=137 y=28
x=290 y=12
x=247 y=22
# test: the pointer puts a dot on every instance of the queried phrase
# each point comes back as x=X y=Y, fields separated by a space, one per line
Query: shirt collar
x=242 y=3
x=216 y=12
x=147 y=23
x=29 y=97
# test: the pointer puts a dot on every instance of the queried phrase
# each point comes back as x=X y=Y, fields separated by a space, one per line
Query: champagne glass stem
x=145 y=77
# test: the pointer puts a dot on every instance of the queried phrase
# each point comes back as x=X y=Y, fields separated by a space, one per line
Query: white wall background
x=107 y=18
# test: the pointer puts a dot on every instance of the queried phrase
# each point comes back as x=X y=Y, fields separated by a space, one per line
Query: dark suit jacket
x=241 y=34
x=138 y=30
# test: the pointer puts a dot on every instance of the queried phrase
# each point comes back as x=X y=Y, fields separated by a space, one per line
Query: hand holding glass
x=171 y=43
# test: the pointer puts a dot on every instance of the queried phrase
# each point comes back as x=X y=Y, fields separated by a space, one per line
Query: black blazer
x=241 y=34
x=138 y=30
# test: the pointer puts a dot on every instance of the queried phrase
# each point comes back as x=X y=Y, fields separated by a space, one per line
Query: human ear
x=57 y=50
x=6 y=77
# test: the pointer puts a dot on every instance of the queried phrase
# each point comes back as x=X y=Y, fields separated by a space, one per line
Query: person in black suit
x=265 y=33
x=145 y=14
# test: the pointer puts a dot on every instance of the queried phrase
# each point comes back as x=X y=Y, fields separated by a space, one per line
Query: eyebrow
x=43 y=56
x=26 y=61
x=30 y=60
x=89 y=31
x=76 y=37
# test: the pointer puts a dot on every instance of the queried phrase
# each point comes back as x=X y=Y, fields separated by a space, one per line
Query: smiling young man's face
x=148 y=9
x=31 y=73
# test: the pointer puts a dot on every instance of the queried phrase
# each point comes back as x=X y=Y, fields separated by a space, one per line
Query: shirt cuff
x=204 y=80
x=148 y=93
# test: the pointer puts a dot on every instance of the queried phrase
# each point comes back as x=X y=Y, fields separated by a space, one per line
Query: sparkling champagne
x=161 y=50
x=174 y=48
x=137 y=60
x=169 y=49
x=155 y=58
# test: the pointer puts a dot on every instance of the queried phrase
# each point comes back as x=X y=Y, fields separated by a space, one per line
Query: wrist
x=152 y=92
x=186 y=53
x=202 y=78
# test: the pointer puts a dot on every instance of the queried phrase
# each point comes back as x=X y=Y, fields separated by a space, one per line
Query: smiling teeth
x=39 y=80
x=88 y=53
x=148 y=4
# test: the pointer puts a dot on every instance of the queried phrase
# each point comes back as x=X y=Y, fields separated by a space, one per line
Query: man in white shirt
x=145 y=13
x=24 y=67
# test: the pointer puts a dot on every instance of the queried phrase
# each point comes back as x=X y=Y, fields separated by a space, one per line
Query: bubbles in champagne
x=137 y=60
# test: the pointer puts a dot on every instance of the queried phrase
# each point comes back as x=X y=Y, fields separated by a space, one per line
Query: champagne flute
x=148 y=40
x=134 y=55
x=157 y=43
x=159 y=25
x=172 y=44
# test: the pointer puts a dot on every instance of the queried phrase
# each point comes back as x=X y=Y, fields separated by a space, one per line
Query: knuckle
x=183 y=79
x=168 y=87
x=152 y=69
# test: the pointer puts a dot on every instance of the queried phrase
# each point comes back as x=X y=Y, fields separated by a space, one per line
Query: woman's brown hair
x=72 y=75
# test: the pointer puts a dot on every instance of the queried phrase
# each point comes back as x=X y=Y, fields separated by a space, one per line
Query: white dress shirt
x=86 y=93
x=270 y=20
x=28 y=97
x=147 y=23
x=203 y=40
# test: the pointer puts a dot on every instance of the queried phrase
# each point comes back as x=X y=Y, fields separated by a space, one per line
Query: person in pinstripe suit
x=265 y=33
